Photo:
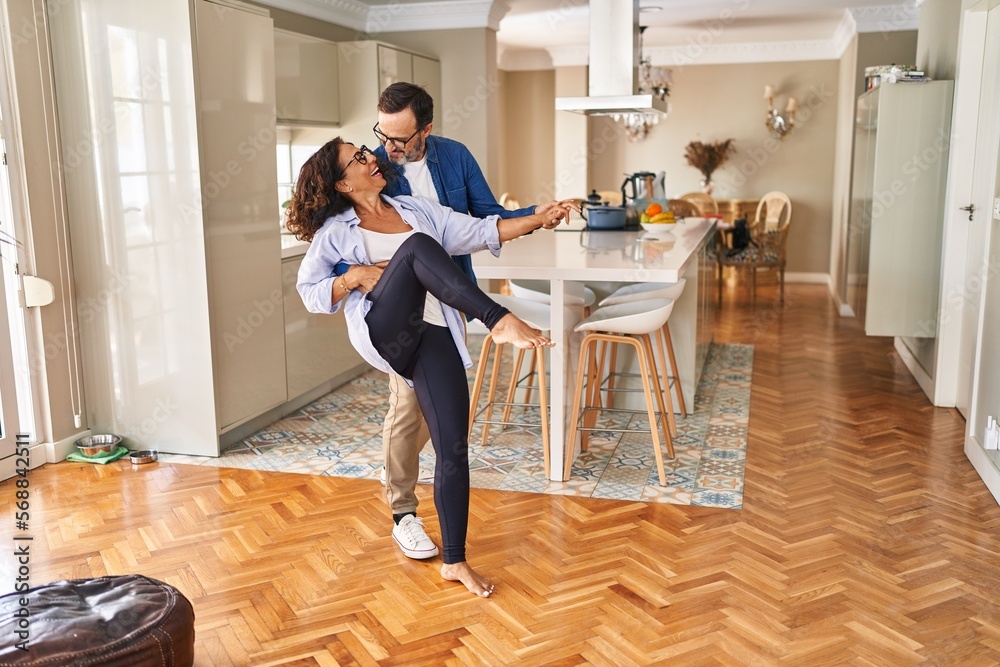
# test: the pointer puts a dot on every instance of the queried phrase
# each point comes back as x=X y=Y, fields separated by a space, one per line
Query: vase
x=706 y=186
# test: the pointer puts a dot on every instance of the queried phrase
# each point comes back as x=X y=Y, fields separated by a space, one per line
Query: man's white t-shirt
x=421 y=183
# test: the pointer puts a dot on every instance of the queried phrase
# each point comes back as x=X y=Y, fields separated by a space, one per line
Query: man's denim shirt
x=460 y=186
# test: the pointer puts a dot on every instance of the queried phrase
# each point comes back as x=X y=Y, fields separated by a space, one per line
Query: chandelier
x=655 y=81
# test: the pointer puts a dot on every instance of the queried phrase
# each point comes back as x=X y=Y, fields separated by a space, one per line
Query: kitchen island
x=569 y=257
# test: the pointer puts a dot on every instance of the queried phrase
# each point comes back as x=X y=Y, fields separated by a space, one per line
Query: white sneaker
x=412 y=540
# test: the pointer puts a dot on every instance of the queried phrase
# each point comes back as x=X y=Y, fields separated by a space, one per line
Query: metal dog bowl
x=94 y=445
x=143 y=456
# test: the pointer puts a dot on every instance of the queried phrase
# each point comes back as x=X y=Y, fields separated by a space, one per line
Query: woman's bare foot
x=481 y=586
x=512 y=329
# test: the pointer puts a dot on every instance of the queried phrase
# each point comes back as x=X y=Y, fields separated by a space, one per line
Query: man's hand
x=562 y=208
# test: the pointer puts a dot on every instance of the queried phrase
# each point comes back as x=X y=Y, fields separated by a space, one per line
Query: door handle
x=970 y=208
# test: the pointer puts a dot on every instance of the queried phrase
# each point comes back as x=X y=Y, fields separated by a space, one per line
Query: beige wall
x=937 y=39
x=884 y=48
x=714 y=102
x=571 y=149
x=844 y=150
x=528 y=119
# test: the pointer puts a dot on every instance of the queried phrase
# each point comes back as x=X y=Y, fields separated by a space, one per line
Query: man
x=444 y=171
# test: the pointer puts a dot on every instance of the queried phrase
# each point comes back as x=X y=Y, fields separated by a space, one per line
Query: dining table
x=574 y=255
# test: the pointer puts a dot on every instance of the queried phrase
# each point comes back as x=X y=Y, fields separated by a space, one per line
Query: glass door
x=16 y=412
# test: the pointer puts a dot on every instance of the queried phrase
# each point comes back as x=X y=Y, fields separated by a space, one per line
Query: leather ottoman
x=125 y=620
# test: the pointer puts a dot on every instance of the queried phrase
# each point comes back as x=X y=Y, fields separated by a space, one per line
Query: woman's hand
x=559 y=209
x=555 y=212
x=364 y=277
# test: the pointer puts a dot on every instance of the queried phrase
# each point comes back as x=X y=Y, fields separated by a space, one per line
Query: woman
x=402 y=297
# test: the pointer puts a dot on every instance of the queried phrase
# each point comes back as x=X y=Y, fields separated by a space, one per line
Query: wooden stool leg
x=543 y=405
x=676 y=371
x=663 y=395
x=492 y=394
x=532 y=364
x=670 y=419
x=593 y=396
x=512 y=387
x=647 y=374
x=477 y=386
x=611 y=375
x=575 y=412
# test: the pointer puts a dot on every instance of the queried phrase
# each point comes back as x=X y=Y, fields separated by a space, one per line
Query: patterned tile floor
x=340 y=435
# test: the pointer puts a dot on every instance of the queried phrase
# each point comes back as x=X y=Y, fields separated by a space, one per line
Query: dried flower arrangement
x=707 y=157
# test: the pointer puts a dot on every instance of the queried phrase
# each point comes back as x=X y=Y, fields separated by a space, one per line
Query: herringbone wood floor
x=865 y=539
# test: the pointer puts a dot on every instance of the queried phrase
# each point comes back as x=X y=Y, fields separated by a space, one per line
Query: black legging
x=426 y=355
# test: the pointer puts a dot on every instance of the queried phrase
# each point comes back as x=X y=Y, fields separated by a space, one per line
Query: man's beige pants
x=404 y=434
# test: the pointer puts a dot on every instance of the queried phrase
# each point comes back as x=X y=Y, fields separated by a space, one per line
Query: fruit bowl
x=658 y=226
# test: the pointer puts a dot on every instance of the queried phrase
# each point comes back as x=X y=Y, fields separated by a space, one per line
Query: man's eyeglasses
x=360 y=157
x=398 y=143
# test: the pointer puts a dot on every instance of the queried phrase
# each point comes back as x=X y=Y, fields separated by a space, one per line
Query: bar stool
x=537 y=315
x=639 y=292
x=538 y=290
x=629 y=323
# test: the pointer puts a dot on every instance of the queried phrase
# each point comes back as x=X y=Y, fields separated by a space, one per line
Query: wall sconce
x=776 y=124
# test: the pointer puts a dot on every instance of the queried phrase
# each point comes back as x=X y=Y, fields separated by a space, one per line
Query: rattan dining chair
x=769 y=235
x=705 y=203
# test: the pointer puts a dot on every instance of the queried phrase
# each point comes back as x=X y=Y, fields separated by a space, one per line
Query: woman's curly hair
x=315 y=199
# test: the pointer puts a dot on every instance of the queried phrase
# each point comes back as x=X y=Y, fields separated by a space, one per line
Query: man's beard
x=412 y=154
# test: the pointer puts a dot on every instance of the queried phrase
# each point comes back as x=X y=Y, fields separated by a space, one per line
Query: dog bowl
x=142 y=456
x=95 y=445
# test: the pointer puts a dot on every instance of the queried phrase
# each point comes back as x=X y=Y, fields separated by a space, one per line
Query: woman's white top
x=381 y=247
x=340 y=239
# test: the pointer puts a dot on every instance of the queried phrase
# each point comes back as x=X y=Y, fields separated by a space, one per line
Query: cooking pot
x=603 y=217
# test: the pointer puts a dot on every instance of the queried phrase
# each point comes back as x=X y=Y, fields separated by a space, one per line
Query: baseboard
x=845 y=310
x=807 y=278
x=58 y=451
x=919 y=374
x=37 y=455
x=984 y=466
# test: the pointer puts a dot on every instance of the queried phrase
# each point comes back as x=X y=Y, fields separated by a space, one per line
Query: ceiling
x=538 y=34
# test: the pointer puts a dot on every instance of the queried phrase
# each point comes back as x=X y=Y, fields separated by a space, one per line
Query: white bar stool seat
x=538 y=290
x=629 y=323
x=638 y=292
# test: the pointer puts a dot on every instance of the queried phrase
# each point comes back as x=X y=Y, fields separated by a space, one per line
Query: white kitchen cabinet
x=393 y=66
x=366 y=68
x=317 y=348
x=901 y=158
x=166 y=114
x=306 y=80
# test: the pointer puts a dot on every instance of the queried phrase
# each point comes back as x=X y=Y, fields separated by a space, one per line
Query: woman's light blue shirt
x=339 y=239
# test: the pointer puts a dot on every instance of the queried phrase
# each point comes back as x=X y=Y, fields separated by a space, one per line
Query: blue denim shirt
x=340 y=241
x=460 y=185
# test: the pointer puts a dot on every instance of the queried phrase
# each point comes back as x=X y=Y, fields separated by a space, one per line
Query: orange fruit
x=653 y=209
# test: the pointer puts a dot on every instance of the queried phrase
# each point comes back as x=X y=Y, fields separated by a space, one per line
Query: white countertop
x=292 y=247
x=599 y=255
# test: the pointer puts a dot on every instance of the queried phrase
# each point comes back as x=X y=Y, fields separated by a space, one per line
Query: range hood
x=614 y=64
